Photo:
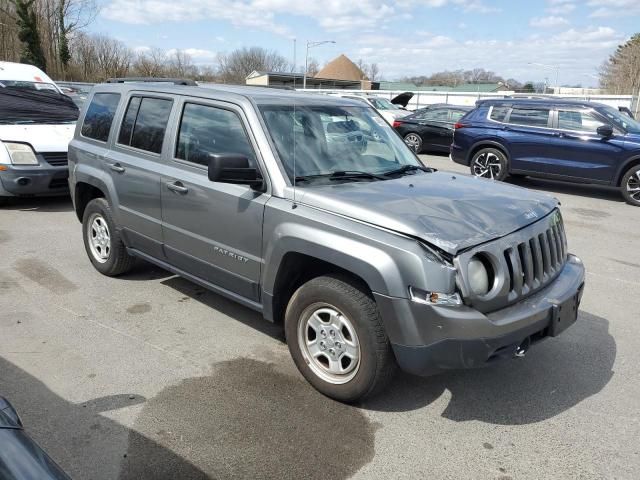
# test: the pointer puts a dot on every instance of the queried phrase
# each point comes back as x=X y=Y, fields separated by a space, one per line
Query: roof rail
x=175 y=81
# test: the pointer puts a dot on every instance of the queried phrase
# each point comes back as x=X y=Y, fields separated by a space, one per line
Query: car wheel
x=413 y=141
x=102 y=240
x=489 y=163
x=337 y=339
x=631 y=186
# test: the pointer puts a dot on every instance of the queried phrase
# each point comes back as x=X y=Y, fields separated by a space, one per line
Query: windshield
x=382 y=103
x=327 y=139
x=19 y=84
x=620 y=119
x=34 y=103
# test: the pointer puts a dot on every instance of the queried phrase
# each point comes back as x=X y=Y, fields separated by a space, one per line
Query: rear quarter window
x=499 y=113
x=99 y=117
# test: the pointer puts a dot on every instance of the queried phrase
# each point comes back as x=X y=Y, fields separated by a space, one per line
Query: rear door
x=435 y=128
x=527 y=132
x=212 y=230
x=134 y=164
x=579 y=151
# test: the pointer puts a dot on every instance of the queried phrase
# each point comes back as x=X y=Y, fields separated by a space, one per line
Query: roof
x=257 y=73
x=342 y=68
x=535 y=101
x=237 y=93
x=22 y=72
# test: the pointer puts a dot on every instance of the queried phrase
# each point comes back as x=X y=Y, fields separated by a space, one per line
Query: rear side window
x=530 y=117
x=499 y=113
x=145 y=123
x=441 y=115
x=99 y=117
x=205 y=129
x=457 y=115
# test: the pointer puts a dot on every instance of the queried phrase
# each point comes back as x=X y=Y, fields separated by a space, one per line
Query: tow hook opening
x=523 y=348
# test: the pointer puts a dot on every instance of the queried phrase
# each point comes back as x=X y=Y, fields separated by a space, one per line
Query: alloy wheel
x=413 y=141
x=99 y=238
x=487 y=165
x=329 y=343
x=633 y=186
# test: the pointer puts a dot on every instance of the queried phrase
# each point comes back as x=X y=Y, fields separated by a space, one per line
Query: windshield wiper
x=341 y=175
x=407 y=168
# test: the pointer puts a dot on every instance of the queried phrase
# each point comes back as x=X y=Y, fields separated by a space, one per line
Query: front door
x=134 y=164
x=212 y=230
x=579 y=151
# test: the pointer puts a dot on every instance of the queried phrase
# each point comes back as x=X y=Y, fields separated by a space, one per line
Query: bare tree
x=373 y=72
x=313 y=67
x=180 y=64
x=620 y=74
x=237 y=65
x=150 y=63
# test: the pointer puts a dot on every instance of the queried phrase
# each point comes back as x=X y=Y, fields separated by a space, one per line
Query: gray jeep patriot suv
x=312 y=210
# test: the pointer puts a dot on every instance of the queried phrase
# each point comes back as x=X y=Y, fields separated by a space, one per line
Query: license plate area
x=564 y=315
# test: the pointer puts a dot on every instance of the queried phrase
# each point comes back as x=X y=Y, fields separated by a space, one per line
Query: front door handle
x=177 y=187
x=116 y=167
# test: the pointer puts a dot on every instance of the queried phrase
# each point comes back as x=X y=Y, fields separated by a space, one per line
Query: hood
x=43 y=138
x=452 y=212
x=402 y=99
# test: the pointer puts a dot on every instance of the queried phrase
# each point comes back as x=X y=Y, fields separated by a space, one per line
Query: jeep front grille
x=523 y=262
x=532 y=263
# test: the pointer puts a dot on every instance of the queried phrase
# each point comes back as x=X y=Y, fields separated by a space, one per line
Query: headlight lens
x=21 y=154
x=478 y=276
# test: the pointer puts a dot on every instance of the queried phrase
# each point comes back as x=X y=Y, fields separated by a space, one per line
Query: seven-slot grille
x=56 y=159
x=534 y=262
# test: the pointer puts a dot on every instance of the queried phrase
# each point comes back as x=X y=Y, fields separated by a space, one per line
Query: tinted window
x=145 y=123
x=499 y=112
x=99 y=116
x=578 y=120
x=533 y=117
x=205 y=130
x=439 y=115
x=129 y=119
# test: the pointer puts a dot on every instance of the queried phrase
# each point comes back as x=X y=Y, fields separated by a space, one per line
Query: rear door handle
x=116 y=167
x=177 y=187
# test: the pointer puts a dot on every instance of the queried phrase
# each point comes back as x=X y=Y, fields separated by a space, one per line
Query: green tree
x=29 y=35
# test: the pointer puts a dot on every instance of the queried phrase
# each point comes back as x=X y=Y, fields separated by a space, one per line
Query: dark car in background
x=559 y=139
x=20 y=457
x=430 y=128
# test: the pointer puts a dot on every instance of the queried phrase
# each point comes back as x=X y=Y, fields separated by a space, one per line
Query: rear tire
x=102 y=240
x=630 y=186
x=490 y=163
x=414 y=142
x=337 y=339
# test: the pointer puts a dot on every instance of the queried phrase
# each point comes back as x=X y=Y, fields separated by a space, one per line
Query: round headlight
x=478 y=276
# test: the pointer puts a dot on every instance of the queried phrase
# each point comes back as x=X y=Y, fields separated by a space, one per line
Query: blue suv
x=559 y=139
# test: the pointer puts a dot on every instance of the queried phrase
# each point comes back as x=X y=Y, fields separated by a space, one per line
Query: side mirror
x=233 y=168
x=605 y=131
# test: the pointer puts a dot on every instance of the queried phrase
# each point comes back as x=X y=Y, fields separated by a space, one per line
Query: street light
x=306 y=58
x=551 y=67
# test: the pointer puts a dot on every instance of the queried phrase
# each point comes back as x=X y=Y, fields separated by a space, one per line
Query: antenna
x=293 y=125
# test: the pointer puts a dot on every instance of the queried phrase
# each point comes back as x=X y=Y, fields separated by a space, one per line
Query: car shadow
x=83 y=442
x=599 y=192
x=225 y=306
x=556 y=375
x=40 y=204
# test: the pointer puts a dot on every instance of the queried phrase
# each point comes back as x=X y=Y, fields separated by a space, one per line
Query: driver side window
x=205 y=129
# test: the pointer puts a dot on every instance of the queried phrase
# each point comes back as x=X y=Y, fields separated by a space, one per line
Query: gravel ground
x=151 y=377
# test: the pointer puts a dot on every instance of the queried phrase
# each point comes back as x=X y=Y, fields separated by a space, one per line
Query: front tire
x=490 y=163
x=630 y=186
x=337 y=339
x=102 y=241
x=414 y=142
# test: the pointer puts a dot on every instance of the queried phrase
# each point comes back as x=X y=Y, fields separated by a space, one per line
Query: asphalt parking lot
x=151 y=377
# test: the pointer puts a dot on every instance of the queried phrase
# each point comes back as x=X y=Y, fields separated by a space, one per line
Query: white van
x=36 y=125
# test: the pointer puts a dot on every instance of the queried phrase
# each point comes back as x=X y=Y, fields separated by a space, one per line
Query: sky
x=405 y=38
